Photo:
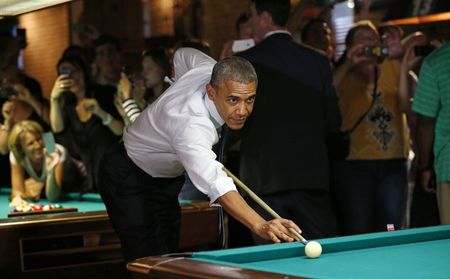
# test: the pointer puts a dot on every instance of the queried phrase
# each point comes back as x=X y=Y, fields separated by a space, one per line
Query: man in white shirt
x=140 y=180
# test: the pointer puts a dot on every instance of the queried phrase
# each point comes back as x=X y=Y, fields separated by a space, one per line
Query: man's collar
x=281 y=31
x=214 y=114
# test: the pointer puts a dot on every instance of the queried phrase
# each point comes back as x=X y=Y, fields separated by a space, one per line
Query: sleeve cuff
x=221 y=186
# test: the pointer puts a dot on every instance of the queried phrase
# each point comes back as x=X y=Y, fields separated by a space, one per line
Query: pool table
x=86 y=237
x=413 y=253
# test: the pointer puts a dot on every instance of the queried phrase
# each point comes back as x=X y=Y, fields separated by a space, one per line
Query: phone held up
x=49 y=142
x=376 y=51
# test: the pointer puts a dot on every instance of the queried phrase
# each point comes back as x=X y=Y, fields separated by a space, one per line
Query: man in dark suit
x=283 y=149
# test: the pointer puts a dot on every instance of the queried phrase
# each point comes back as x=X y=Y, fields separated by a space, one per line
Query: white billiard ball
x=313 y=249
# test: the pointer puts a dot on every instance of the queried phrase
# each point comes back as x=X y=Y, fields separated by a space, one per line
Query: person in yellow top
x=371 y=183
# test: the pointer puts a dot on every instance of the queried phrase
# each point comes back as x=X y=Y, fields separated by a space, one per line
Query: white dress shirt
x=178 y=130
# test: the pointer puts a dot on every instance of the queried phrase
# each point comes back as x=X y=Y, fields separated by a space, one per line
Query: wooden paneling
x=218 y=21
x=47 y=37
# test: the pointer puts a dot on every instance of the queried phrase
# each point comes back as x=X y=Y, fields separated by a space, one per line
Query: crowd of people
x=281 y=101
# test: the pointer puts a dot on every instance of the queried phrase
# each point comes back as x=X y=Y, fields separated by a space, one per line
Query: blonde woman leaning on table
x=34 y=171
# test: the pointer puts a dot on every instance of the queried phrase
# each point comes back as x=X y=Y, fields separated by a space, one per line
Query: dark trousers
x=310 y=210
x=370 y=194
x=143 y=210
x=424 y=211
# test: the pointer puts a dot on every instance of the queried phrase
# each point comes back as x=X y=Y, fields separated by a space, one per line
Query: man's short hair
x=243 y=18
x=108 y=39
x=233 y=68
x=278 y=9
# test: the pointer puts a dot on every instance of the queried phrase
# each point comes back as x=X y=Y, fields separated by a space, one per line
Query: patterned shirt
x=383 y=133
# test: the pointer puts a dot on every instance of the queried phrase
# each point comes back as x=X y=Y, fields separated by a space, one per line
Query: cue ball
x=313 y=249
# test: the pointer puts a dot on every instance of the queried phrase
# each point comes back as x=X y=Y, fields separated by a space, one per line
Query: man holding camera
x=371 y=183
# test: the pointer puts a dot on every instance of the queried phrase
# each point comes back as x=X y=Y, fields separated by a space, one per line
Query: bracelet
x=107 y=120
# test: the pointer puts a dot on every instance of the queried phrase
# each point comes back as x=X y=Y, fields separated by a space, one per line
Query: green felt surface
x=413 y=253
x=84 y=202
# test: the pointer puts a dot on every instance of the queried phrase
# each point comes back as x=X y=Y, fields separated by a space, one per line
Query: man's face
x=245 y=31
x=152 y=72
x=108 y=61
x=234 y=101
x=319 y=37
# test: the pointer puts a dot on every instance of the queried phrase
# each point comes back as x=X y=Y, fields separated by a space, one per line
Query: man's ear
x=210 y=91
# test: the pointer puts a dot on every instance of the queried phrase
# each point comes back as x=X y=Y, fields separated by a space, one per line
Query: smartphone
x=66 y=71
x=376 y=51
x=241 y=45
x=49 y=142
x=423 y=50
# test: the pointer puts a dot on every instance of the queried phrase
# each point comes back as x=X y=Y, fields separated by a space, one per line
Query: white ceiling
x=17 y=7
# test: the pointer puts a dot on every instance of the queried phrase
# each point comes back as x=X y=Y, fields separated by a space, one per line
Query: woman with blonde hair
x=34 y=170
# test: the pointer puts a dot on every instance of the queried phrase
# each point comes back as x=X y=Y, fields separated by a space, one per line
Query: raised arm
x=8 y=115
x=409 y=61
x=56 y=118
x=41 y=107
x=55 y=169
x=186 y=59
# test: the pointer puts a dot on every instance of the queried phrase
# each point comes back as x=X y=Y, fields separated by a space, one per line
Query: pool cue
x=261 y=203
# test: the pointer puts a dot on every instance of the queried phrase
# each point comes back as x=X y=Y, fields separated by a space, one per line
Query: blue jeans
x=370 y=194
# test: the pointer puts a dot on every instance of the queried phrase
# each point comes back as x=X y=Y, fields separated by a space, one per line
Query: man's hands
x=277 y=230
x=427 y=181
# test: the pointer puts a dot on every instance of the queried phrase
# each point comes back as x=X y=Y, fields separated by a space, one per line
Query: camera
x=423 y=50
x=7 y=93
x=376 y=51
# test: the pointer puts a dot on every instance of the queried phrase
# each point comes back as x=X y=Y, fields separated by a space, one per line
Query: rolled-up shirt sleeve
x=193 y=146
